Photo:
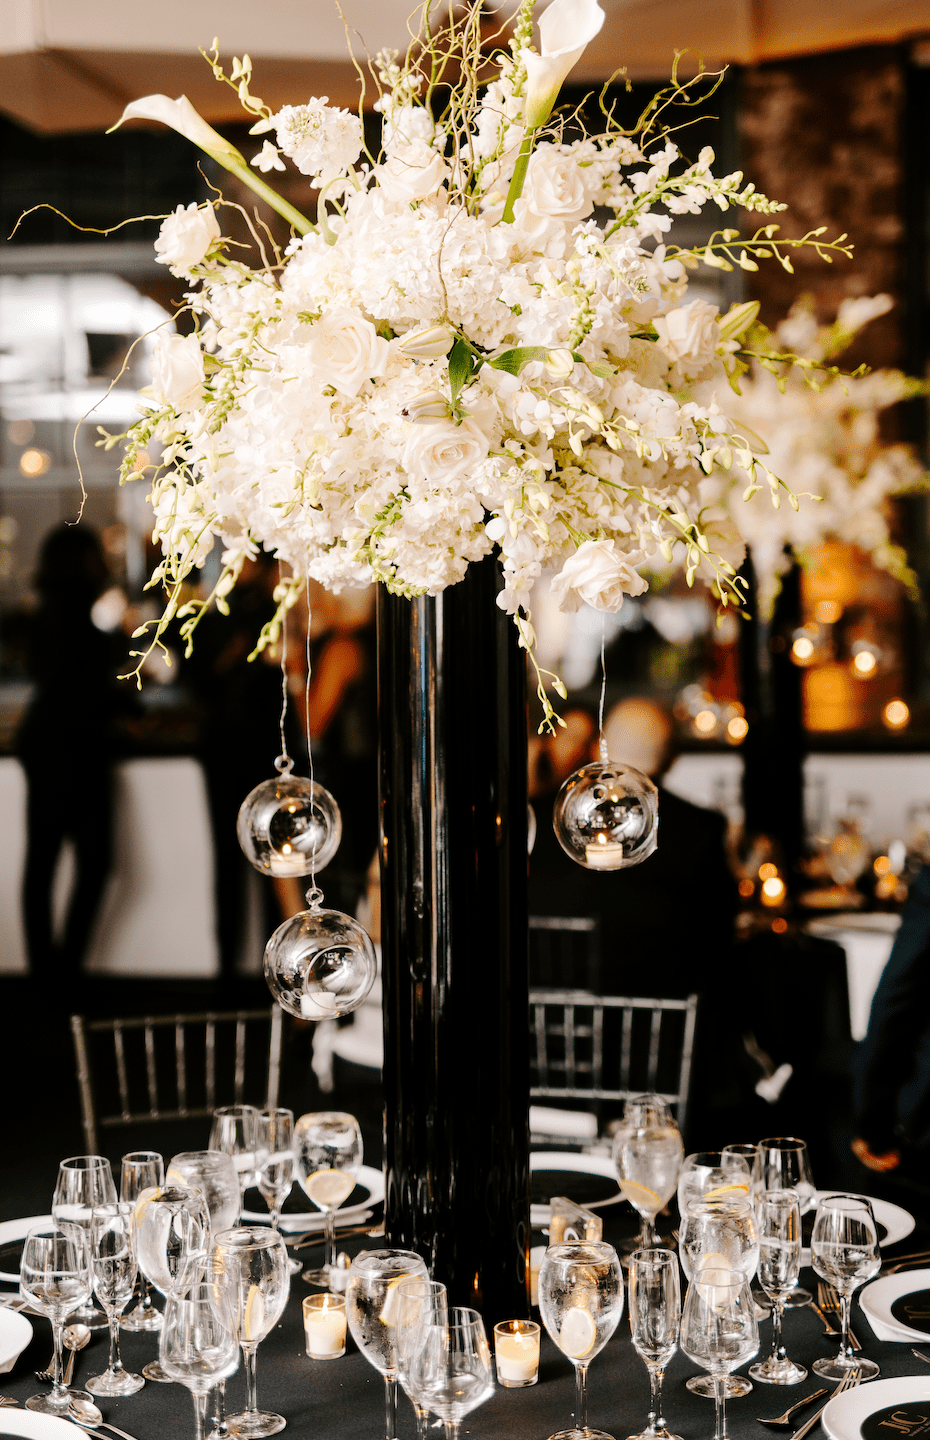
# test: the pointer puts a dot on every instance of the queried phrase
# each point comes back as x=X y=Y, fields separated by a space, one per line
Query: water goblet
x=655 y=1321
x=113 y=1272
x=421 y=1302
x=845 y=1252
x=140 y=1170
x=712 y=1175
x=719 y=1234
x=235 y=1130
x=778 y=1216
x=451 y=1371
x=214 y=1174
x=373 y=1307
x=251 y=1283
x=328 y=1151
x=719 y=1330
x=172 y=1231
x=581 y=1302
x=84 y=1181
x=276 y=1177
x=54 y=1277
x=197 y=1347
x=782 y=1163
x=647 y=1151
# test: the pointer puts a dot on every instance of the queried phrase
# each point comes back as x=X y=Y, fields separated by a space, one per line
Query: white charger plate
x=367 y=1179
x=896 y=1222
x=36 y=1426
x=542 y=1160
x=11 y=1230
x=15 y=1335
x=878 y=1297
x=845 y=1413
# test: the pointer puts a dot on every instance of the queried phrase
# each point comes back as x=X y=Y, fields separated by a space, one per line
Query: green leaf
x=513 y=361
x=463 y=366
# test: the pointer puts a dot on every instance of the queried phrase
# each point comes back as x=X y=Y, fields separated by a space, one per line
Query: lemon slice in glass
x=328 y=1188
x=723 y=1192
x=253 y=1320
x=640 y=1196
x=578 y=1334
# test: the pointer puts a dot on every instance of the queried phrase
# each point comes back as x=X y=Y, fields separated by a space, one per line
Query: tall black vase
x=453 y=796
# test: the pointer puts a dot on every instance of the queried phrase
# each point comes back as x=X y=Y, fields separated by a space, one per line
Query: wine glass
x=276 y=1177
x=719 y=1234
x=719 y=1330
x=172 y=1228
x=235 y=1130
x=782 y=1163
x=113 y=1272
x=451 y=1371
x=54 y=1276
x=84 y=1181
x=422 y=1302
x=213 y=1173
x=140 y=1170
x=373 y=1306
x=581 y=1302
x=712 y=1175
x=845 y=1252
x=197 y=1347
x=655 y=1321
x=648 y=1152
x=328 y=1152
x=778 y=1215
x=252 y=1283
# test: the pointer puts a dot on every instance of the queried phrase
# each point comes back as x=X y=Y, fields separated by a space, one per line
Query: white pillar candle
x=603 y=857
x=325 y=1328
x=516 y=1345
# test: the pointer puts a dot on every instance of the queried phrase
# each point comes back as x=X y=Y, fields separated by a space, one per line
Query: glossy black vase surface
x=452 y=724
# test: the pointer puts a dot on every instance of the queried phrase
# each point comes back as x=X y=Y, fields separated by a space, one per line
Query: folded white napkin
x=548 y=1120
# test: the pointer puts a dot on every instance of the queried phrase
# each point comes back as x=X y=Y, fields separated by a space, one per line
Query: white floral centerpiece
x=483 y=342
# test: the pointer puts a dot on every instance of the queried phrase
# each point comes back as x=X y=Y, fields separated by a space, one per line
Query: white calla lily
x=566 y=27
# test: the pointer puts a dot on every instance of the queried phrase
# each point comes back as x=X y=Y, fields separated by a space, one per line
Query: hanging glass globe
x=289 y=825
x=606 y=816
x=320 y=963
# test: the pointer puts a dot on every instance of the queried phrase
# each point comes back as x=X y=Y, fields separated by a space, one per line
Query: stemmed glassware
x=84 y=1182
x=845 y=1252
x=328 y=1151
x=714 y=1235
x=276 y=1177
x=581 y=1303
x=373 y=1306
x=251 y=1282
x=712 y=1175
x=113 y=1271
x=782 y=1163
x=647 y=1151
x=778 y=1216
x=451 y=1371
x=422 y=1302
x=719 y=1330
x=172 y=1228
x=213 y=1173
x=140 y=1170
x=655 y=1321
x=235 y=1130
x=54 y=1276
x=197 y=1347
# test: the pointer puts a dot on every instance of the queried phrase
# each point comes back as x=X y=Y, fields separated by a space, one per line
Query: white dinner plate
x=36 y=1426
x=11 y=1230
x=877 y=1299
x=541 y=1160
x=368 y=1179
x=895 y=1221
x=845 y=1413
x=15 y=1334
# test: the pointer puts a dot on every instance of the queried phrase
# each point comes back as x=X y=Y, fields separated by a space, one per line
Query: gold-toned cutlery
x=829 y=1300
x=798 y=1405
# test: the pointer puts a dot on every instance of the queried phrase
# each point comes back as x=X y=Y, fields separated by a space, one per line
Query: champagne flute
x=451 y=1372
x=235 y=1130
x=373 y=1307
x=581 y=1302
x=172 y=1228
x=845 y=1252
x=140 y=1170
x=276 y=1177
x=647 y=1151
x=655 y=1321
x=719 y=1330
x=113 y=1271
x=422 y=1303
x=779 y=1219
x=84 y=1181
x=252 y=1283
x=719 y=1235
x=328 y=1151
x=782 y=1163
x=54 y=1276
x=197 y=1347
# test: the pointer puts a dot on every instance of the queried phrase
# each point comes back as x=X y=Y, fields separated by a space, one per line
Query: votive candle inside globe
x=325 y=1326
x=516 y=1347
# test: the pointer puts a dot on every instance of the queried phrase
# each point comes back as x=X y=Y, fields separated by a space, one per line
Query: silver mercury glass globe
x=289 y=825
x=606 y=816
x=320 y=964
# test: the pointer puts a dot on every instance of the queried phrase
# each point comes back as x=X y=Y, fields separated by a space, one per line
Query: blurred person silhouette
x=74 y=716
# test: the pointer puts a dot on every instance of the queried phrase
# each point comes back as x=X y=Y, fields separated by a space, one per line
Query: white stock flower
x=443 y=452
x=177 y=371
x=323 y=142
x=689 y=336
x=599 y=575
x=565 y=29
x=185 y=238
x=414 y=172
x=345 y=350
x=268 y=158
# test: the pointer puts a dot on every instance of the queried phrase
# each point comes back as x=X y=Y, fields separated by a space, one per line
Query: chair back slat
x=210 y=1060
x=652 y=1070
x=240 y=1061
x=180 y=1060
x=121 y=1071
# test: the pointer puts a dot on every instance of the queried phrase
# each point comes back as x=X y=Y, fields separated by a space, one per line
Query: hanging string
x=284 y=764
x=602 y=743
x=314 y=893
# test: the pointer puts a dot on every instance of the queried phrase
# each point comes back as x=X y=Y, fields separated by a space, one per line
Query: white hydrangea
x=323 y=142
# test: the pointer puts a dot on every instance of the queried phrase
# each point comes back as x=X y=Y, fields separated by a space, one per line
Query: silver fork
x=848 y=1382
x=829 y=1301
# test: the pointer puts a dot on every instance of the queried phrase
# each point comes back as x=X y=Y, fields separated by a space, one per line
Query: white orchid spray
x=484 y=342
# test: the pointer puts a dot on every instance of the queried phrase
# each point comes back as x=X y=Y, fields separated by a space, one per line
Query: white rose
x=690 y=335
x=444 y=451
x=185 y=238
x=553 y=186
x=415 y=172
x=598 y=575
x=346 y=350
x=177 y=371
